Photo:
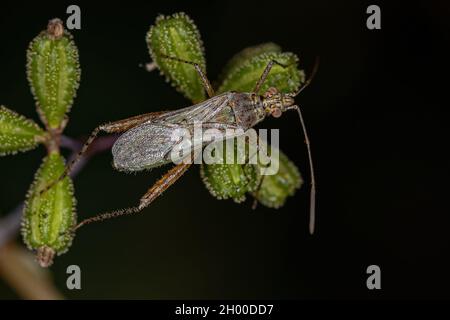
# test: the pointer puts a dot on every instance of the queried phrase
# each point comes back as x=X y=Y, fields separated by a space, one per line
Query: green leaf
x=49 y=217
x=53 y=72
x=18 y=133
x=243 y=72
x=276 y=188
x=177 y=36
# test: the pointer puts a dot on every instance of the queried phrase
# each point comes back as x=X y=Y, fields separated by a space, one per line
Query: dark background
x=377 y=116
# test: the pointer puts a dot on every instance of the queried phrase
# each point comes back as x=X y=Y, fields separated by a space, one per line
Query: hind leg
x=154 y=192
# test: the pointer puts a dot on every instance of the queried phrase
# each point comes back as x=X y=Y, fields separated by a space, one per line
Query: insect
x=146 y=140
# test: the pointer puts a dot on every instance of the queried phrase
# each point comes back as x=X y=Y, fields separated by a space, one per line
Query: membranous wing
x=215 y=109
x=150 y=144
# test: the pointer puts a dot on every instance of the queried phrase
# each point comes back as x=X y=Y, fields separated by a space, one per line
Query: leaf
x=53 y=72
x=48 y=218
x=177 y=36
x=276 y=188
x=243 y=72
x=18 y=133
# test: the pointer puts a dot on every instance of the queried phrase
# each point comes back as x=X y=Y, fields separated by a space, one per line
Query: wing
x=216 y=108
x=150 y=144
x=143 y=147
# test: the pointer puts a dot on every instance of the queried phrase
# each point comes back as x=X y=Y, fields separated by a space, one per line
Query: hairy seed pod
x=276 y=188
x=225 y=181
x=18 y=133
x=53 y=72
x=48 y=218
x=243 y=56
x=245 y=71
x=177 y=36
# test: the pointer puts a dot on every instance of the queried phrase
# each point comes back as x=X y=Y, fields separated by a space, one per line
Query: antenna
x=308 y=81
x=312 y=199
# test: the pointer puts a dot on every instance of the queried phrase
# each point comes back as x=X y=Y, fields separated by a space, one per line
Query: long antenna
x=308 y=81
x=312 y=198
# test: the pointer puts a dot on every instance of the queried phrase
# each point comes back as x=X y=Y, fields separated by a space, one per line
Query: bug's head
x=275 y=103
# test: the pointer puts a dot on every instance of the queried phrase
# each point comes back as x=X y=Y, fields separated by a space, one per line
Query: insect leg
x=261 y=179
x=266 y=73
x=205 y=81
x=156 y=190
x=129 y=123
x=255 y=195
x=113 y=127
x=260 y=182
x=164 y=183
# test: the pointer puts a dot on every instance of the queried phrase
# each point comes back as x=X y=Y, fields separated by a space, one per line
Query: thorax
x=247 y=109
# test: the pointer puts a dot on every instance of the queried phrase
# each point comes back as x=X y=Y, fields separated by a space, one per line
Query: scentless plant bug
x=146 y=140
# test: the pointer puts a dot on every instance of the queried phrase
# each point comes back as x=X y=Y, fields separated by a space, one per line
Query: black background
x=377 y=116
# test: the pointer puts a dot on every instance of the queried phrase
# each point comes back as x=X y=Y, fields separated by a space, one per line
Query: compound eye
x=276 y=113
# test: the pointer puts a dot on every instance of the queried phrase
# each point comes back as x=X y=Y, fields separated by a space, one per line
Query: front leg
x=265 y=73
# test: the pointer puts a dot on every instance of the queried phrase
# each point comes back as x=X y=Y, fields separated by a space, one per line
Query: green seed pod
x=242 y=57
x=48 y=218
x=226 y=181
x=53 y=72
x=244 y=73
x=18 y=133
x=177 y=36
x=276 y=188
